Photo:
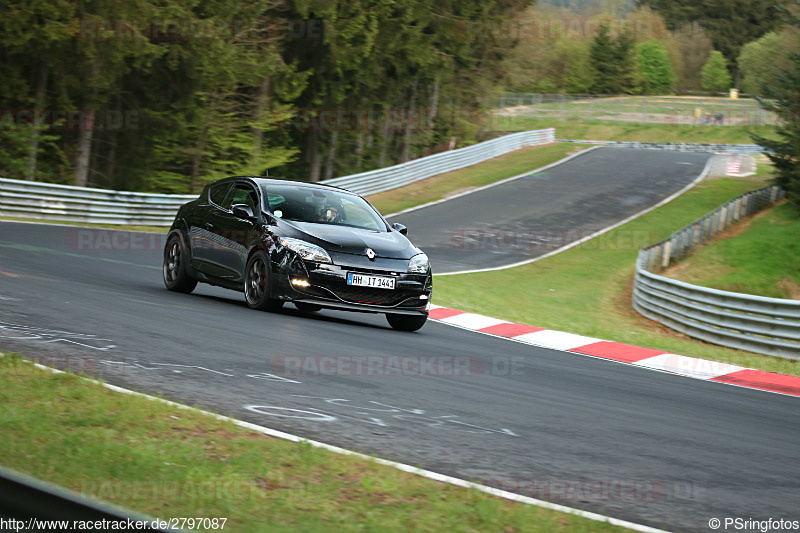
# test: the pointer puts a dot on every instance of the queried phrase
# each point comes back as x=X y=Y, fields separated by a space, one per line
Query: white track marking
x=472 y=321
x=558 y=340
x=450 y=480
x=573 y=244
x=689 y=366
x=495 y=184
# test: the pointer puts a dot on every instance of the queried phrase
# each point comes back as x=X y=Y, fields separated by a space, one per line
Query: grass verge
x=422 y=192
x=444 y=185
x=750 y=257
x=170 y=462
x=587 y=289
x=633 y=131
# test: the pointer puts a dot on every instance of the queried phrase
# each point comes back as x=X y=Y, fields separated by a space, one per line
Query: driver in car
x=330 y=213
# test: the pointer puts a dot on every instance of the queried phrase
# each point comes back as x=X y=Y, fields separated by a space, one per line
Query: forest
x=167 y=95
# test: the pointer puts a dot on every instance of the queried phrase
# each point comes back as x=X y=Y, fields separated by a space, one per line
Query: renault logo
x=371 y=254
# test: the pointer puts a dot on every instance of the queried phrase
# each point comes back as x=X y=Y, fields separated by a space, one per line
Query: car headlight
x=418 y=264
x=306 y=250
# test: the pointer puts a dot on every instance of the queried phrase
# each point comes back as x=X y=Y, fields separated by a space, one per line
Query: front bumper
x=327 y=285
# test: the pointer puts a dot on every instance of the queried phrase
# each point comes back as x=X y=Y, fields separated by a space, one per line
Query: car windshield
x=308 y=204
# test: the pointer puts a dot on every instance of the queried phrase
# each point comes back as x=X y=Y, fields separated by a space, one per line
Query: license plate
x=363 y=280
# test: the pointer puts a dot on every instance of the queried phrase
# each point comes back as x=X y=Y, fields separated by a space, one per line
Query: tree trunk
x=386 y=138
x=112 y=159
x=312 y=156
x=360 y=150
x=331 y=155
x=434 y=110
x=200 y=145
x=33 y=154
x=89 y=116
x=261 y=105
x=410 y=120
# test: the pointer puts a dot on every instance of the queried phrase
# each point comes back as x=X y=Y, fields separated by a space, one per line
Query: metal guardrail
x=759 y=324
x=384 y=179
x=29 y=504
x=46 y=201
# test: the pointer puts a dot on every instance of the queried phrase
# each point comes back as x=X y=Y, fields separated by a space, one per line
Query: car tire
x=307 y=308
x=406 y=322
x=176 y=277
x=258 y=282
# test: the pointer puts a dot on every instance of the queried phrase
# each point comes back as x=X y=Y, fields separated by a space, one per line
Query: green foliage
x=423 y=71
x=729 y=23
x=784 y=99
x=655 y=67
x=715 y=76
x=694 y=47
x=214 y=88
x=613 y=62
x=761 y=60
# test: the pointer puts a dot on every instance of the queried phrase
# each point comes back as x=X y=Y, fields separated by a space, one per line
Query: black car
x=313 y=245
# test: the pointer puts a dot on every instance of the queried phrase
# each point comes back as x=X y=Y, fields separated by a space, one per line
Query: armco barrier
x=47 y=201
x=384 y=179
x=769 y=326
x=44 y=201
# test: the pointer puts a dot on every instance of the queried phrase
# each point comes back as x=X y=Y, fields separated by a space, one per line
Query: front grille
x=372 y=296
x=362 y=295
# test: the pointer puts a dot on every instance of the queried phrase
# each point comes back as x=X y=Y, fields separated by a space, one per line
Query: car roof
x=273 y=181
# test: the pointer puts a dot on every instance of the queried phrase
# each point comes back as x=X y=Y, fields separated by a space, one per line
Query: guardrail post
x=666 y=253
x=764 y=325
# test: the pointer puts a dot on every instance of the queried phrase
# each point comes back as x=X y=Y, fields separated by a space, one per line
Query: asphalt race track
x=538 y=213
x=631 y=443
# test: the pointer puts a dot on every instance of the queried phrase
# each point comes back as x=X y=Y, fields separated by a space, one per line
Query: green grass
x=632 y=131
x=664 y=110
x=170 y=462
x=757 y=256
x=444 y=185
x=679 y=105
x=587 y=290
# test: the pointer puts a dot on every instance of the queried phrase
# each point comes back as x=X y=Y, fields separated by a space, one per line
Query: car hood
x=350 y=240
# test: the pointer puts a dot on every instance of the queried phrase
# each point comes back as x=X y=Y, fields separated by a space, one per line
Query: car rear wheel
x=257 y=284
x=406 y=322
x=176 y=278
x=307 y=308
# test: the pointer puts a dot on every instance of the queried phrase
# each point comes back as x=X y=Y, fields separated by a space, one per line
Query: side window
x=217 y=193
x=241 y=194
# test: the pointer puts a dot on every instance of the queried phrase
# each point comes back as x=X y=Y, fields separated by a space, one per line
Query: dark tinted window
x=241 y=194
x=217 y=192
x=324 y=206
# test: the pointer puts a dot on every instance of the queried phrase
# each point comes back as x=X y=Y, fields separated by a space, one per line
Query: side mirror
x=401 y=228
x=243 y=211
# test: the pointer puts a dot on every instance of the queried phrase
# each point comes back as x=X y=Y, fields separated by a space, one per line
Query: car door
x=233 y=236
x=203 y=241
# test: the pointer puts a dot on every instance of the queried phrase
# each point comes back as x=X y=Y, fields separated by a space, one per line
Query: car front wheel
x=175 y=276
x=406 y=322
x=257 y=284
